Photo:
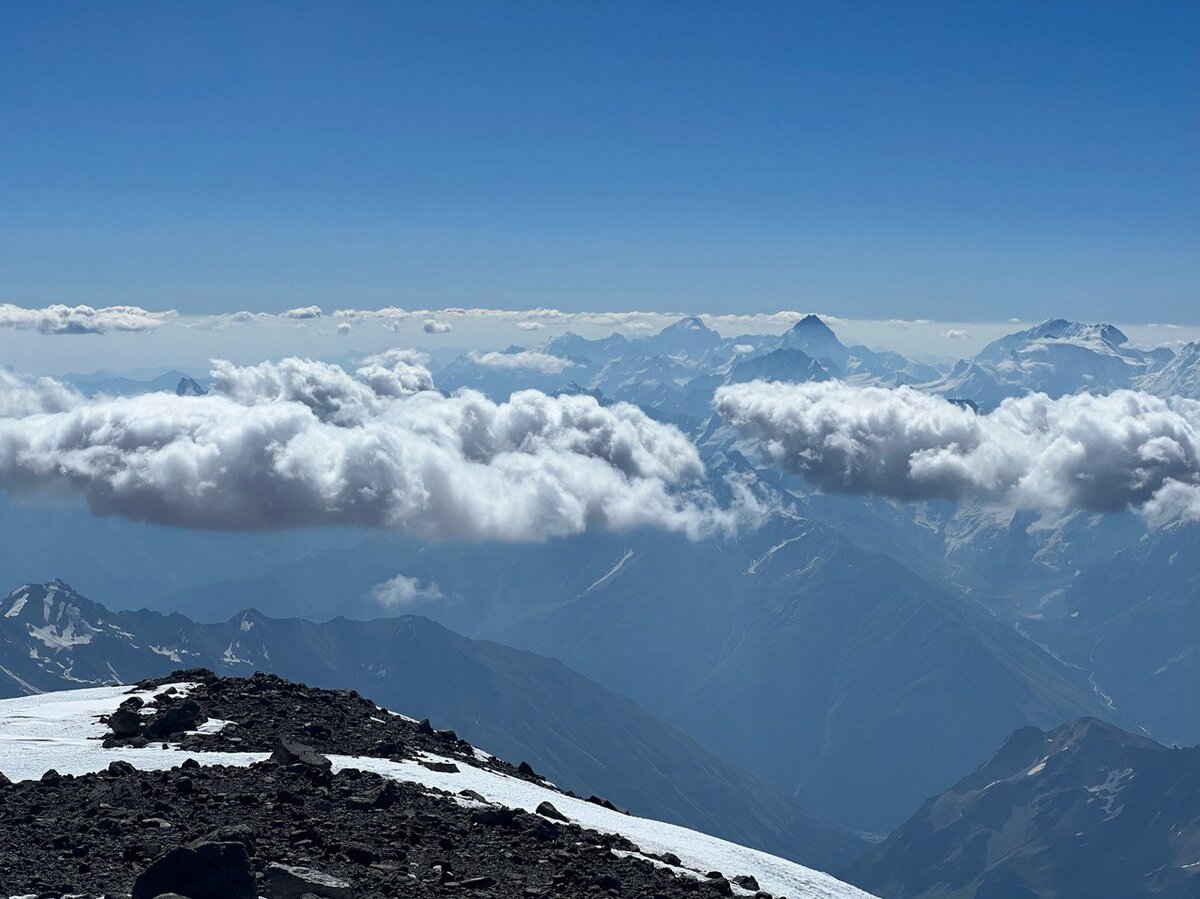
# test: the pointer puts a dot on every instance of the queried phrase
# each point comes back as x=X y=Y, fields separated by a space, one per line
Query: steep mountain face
x=515 y=703
x=815 y=338
x=1179 y=377
x=1086 y=810
x=855 y=364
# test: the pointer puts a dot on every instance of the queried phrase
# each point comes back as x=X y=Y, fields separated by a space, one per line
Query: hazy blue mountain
x=516 y=704
x=689 y=337
x=112 y=384
x=823 y=668
x=1086 y=811
x=603 y=349
x=1132 y=621
x=1057 y=357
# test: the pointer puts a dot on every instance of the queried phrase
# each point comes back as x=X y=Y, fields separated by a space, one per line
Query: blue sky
x=961 y=161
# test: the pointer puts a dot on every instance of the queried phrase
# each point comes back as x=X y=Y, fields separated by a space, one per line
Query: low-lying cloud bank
x=60 y=319
x=298 y=443
x=1102 y=453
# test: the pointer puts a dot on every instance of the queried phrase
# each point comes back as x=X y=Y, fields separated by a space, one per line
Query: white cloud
x=301 y=443
x=343 y=329
x=401 y=591
x=1094 y=452
x=742 y=348
x=530 y=326
x=955 y=334
x=60 y=319
x=525 y=359
x=21 y=395
x=436 y=326
x=303 y=312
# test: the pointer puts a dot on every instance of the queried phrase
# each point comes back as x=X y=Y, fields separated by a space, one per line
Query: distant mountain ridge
x=1083 y=811
x=511 y=702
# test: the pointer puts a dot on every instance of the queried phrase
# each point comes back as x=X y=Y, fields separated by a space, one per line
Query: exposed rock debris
x=289 y=827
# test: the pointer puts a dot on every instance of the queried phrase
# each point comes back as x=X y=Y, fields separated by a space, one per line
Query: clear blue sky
x=926 y=159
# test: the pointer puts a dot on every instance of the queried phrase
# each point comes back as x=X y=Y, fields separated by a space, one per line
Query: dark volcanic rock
x=175 y=717
x=296 y=829
x=291 y=882
x=200 y=871
x=547 y=810
x=125 y=722
x=289 y=752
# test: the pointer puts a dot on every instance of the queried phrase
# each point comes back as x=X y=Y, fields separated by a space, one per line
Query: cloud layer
x=59 y=319
x=529 y=360
x=1102 y=453
x=299 y=443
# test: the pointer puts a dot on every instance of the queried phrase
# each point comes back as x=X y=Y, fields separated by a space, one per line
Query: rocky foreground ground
x=289 y=827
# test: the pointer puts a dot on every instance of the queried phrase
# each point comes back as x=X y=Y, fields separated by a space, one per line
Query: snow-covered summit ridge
x=62 y=731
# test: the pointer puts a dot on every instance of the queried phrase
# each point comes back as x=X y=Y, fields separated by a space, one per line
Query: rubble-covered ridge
x=275 y=789
x=127 y=831
x=261 y=710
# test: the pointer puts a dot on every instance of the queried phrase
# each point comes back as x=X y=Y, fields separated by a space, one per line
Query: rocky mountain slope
x=514 y=703
x=1085 y=810
x=261 y=786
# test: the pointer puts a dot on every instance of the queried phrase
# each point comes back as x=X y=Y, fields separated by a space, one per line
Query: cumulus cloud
x=402 y=590
x=343 y=328
x=530 y=326
x=21 y=395
x=525 y=359
x=328 y=391
x=436 y=326
x=302 y=312
x=302 y=443
x=955 y=334
x=1102 y=453
x=60 y=319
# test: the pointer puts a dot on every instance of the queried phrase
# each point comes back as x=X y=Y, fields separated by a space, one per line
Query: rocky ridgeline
x=290 y=828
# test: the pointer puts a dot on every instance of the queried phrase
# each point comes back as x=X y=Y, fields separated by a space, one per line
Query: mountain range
x=514 y=703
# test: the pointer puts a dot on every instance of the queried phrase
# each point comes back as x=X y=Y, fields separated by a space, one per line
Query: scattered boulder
x=293 y=882
x=472 y=883
x=125 y=722
x=747 y=882
x=547 y=810
x=443 y=767
x=175 y=718
x=201 y=871
x=289 y=752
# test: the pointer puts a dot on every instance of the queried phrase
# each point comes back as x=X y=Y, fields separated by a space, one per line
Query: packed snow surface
x=60 y=731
